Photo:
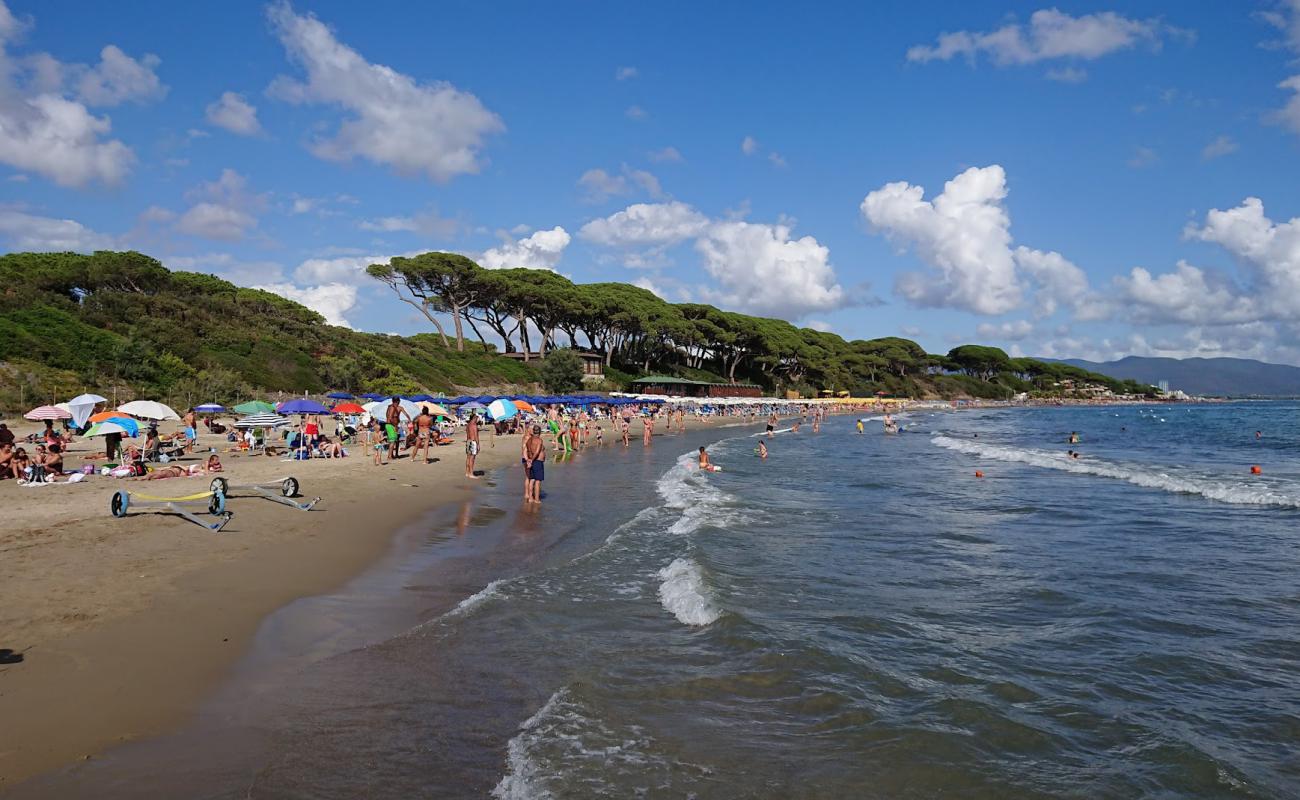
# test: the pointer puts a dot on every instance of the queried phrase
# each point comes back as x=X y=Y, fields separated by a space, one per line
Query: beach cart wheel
x=219 y=486
x=289 y=488
x=120 y=502
x=217 y=504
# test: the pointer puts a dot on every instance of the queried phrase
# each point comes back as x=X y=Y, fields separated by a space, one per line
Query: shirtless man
x=191 y=432
x=705 y=464
x=771 y=424
x=535 y=464
x=393 y=417
x=423 y=433
x=471 y=444
x=647 y=429
x=523 y=459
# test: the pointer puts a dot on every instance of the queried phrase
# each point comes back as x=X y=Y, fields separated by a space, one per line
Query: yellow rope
x=198 y=496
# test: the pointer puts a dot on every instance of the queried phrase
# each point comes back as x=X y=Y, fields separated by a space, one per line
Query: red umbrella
x=348 y=408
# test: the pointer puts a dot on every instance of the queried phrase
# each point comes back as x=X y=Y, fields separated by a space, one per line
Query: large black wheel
x=120 y=502
x=217 y=503
x=219 y=485
x=289 y=488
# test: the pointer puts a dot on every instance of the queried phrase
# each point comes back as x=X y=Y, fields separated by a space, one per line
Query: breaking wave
x=685 y=594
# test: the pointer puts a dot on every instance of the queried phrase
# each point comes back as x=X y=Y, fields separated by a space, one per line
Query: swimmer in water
x=705 y=464
x=794 y=428
x=859 y=426
x=1259 y=434
x=762 y=449
x=1074 y=437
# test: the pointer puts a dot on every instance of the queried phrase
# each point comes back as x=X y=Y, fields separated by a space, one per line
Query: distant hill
x=1233 y=377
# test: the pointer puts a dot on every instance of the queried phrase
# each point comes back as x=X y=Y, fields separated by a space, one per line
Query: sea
x=961 y=609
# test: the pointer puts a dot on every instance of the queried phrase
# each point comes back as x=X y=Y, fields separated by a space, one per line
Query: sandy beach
x=137 y=618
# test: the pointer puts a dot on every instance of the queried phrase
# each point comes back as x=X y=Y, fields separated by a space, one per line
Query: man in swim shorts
x=771 y=424
x=471 y=444
x=535 y=464
x=191 y=432
x=393 y=417
x=423 y=434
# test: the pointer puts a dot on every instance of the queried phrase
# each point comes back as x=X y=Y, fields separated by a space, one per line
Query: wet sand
x=126 y=624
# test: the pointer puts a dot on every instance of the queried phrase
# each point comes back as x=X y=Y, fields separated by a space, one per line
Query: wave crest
x=684 y=593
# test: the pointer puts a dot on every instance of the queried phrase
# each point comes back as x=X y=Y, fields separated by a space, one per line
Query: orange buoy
x=1255 y=470
x=979 y=474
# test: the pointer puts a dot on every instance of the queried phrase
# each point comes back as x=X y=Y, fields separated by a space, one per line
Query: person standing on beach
x=393 y=418
x=471 y=444
x=191 y=430
x=535 y=464
x=423 y=434
x=523 y=459
x=647 y=429
x=625 y=425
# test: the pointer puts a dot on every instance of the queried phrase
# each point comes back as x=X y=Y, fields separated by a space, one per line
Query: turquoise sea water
x=856 y=616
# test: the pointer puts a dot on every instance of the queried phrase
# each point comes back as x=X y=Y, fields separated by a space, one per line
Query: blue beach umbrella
x=373 y=396
x=420 y=398
x=115 y=425
x=302 y=405
x=340 y=396
x=473 y=405
x=209 y=408
x=460 y=401
x=502 y=409
x=485 y=399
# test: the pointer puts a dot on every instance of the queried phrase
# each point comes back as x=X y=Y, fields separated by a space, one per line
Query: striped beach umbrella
x=265 y=419
x=47 y=412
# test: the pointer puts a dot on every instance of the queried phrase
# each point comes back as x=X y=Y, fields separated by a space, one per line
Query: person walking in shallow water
x=535 y=465
x=647 y=429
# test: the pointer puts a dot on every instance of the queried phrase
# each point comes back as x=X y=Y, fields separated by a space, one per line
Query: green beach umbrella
x=254 y=407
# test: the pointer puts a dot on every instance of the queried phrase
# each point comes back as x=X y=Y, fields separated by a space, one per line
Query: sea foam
x=1150 y=477
x=684 y=592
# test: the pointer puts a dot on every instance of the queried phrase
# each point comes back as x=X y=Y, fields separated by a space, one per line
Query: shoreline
x=140 y=619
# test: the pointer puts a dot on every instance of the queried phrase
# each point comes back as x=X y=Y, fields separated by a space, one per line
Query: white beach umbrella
x=379 y=408
x=148 y=409
x=81 y=407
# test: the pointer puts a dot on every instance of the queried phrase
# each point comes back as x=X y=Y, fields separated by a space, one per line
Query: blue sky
x=1063 y=180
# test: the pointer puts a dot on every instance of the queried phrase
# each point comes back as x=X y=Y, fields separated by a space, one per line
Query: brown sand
x=125 y=624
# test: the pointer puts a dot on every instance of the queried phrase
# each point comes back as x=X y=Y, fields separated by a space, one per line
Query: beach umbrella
x=420 y=398
x=302 y=405
x=524 y=405
x=373 y=396
x=348 y=408
x=485 y=399
x=472 y=405
x=380 y=408
x=47 y=412
x=107 y=415
x=254 y=407
x=122 y=425
x=264 y=419
x=148 y=409
x=502 y=409
x=436 y=410
x=210 y=408
x=340 y=396
x=81 y=406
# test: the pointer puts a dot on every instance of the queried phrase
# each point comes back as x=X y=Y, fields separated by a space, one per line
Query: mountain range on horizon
x=1230 y=377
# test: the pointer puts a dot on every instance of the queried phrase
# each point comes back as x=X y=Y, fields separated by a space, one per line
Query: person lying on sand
x=213 y=465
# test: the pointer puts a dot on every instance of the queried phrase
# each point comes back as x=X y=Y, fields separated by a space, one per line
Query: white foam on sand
x=477 y=599
x=684 y=592
x=525 y=778
x=1150 y=477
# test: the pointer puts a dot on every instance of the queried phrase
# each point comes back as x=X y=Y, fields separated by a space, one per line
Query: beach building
x=593 y=364
x=684 y=387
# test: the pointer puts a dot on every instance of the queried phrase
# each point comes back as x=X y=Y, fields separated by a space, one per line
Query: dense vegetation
x=637 y=332
x=71 y=323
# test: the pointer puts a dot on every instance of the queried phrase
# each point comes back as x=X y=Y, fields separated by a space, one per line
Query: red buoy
x=979 y=474
x=1255 y=470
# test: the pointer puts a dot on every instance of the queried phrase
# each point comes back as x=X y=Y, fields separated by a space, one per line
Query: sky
x=1071 y=180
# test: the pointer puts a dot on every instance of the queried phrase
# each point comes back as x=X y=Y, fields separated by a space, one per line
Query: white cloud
x=341 y=269
x=645 y=224
x=1059 y=284
x=763 y=271
x=650 y=286
x=43 y=131
x=749 y=145
x=635 y=112
x=25 y=231
x=118 y=78
x=777 y=160
x=1051 y=34
x=225 y=209
x=330 y=300
x=232 y=112
x=539 y=250
x=598 y=185
x=1067 y=75
x=426 y=223
x=666 y=155
x=625 y=73
x=964 y=234
x=1013 y=331
x=432 y=129
x=1220 y=146
x=1289 y=114
x=819 y=325
x=235 y=270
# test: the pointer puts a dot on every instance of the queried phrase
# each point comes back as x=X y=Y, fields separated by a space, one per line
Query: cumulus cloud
x=964 y=235
x=426 y=223
x=232 y=112
x=598 y=185
x=23 y=231
x=538 y=250
x=1051 y=34
x=118 y=78
x=1013 y=331
x=224 y=209
x=643 y=224
x=433 y=129
x=46 y=126
x=1289 y=115
x=749 y=145
x=758 y=268
x=331 y=300
x=1218 y=147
